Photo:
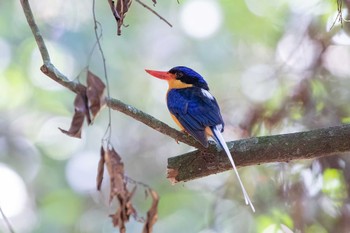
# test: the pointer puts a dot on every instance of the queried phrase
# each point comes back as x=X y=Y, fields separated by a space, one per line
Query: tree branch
x=51 y=71
x=257 y=150
x=203 y=162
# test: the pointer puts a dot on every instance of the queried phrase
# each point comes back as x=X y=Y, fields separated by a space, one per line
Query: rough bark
x=257 y=150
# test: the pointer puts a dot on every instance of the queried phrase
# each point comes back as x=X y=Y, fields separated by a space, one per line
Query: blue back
x=194 y=111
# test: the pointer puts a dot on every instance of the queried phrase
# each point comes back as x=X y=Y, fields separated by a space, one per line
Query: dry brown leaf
x=94 y=93
x=120 y=192
x=152 y=213
x=100 y=169
x=78 y=118
x=115 y=169
x=119 y=11
x=119 y=189
x=125 y=209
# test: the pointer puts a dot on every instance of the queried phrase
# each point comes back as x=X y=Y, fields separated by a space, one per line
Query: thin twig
x=51 y=71
x=8 y=224
x=339 y=16
x=154 y=12
x=96 y=23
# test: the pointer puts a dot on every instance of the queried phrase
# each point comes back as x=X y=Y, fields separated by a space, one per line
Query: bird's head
x=180 y=77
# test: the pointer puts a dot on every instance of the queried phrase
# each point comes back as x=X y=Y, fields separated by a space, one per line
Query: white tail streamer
x=219 y=138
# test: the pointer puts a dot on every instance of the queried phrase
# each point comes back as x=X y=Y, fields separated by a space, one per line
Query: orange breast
x=177 y=122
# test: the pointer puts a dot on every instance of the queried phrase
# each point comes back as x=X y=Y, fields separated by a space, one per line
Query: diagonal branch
x=51 y=71
x=257 y=150
x=7 y=222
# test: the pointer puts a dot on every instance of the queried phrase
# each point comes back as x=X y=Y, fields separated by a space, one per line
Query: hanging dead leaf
x=119 y=11
x=115 y=169
x=152 y=213
x=114 y=11
x=78 y=118
x=94 y=93
x=118 y=188
x=125 y=209
x=100 y=169
x=119 y=191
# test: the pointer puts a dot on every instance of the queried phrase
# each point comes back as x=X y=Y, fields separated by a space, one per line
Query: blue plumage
x=195 y=111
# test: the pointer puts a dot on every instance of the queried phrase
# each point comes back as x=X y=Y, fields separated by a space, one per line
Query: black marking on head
x=189 y=76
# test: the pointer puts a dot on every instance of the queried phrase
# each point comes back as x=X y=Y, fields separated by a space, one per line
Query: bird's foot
x=182 y=131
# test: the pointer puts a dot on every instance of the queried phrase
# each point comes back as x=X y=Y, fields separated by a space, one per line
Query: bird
x=195 y=110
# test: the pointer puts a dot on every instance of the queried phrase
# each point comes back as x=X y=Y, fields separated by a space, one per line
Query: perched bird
x=195 y=110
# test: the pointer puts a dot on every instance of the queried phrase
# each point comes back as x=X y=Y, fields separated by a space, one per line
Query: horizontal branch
x=51 y=71
x=257 y=150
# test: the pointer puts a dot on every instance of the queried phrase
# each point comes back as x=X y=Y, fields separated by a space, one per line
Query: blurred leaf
x=283 y=217
x=239 y=20
x=334 y=184
x=320 y=106
x=345 y=120
x=318 y=88
x=316 y=228
x=296 y=111
x=61 y=206
x=277 y=220
x=263 y=221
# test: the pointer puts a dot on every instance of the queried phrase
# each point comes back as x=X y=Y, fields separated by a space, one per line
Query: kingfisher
x=195 y=110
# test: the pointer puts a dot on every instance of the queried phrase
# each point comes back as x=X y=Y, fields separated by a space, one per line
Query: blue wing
x=195 y=109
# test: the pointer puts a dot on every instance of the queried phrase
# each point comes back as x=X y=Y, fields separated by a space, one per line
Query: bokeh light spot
x=6 y=54
x=258 y=83
x=13 y=193
x=201 y=18
x=56 y=144
x=81 y=171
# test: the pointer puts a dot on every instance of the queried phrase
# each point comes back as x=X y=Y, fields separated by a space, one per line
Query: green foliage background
x=274 y=66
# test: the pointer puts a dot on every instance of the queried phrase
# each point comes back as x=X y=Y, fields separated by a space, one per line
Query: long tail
x=220 y=140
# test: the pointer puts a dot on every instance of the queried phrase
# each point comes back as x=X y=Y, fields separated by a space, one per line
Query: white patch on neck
x=207 y=94
x=219 y=127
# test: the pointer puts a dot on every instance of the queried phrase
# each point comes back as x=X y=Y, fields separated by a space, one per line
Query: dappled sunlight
x=63 y=15
x=297 y=52
x=201 y=18
x=13 y=195
x=258 y=83
x=81 y=172
x=335 y=59
x=51 y=139
x=61 y=57
x=5 y=59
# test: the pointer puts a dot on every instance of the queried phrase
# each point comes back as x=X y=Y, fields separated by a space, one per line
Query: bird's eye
x=179 y=75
